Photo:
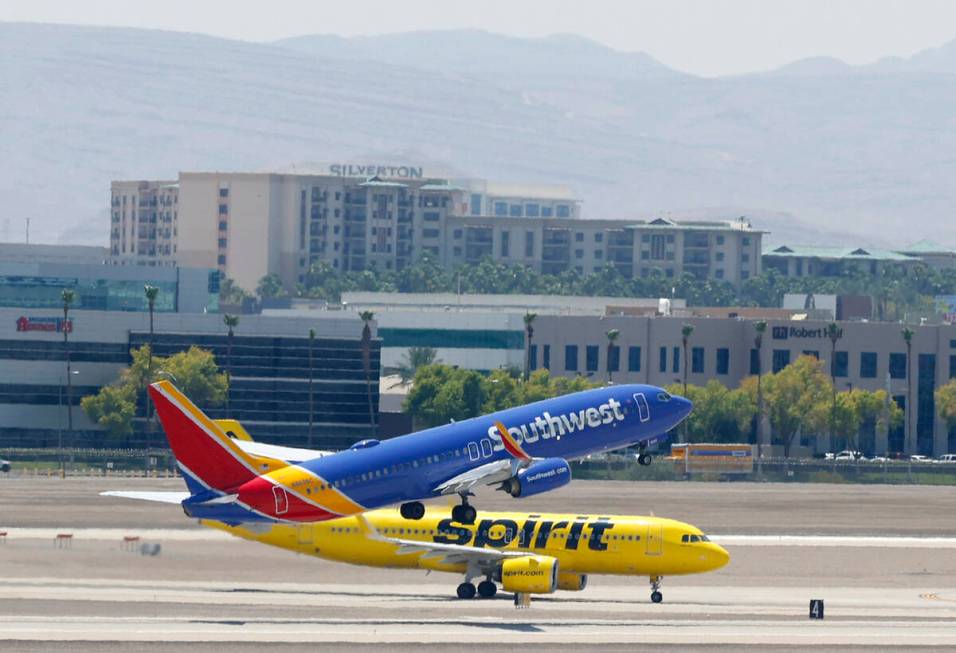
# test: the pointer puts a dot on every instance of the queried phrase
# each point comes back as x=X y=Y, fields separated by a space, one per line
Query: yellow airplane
x=526 y=553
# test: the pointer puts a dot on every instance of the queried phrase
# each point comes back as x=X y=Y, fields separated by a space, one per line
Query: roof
x=927 y=246
x=862 y=253
x=695 y=225
x=446 y=187
x=378 y=183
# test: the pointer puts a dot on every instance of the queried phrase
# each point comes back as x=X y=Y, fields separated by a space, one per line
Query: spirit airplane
x=523 y=450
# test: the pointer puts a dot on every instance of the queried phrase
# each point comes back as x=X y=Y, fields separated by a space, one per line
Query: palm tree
x=612 y=336
x=415 y=358
x=366 y=317
x=311 y=342
x=834 y=334
x=759 y=328
x=151 y=293
x=68 y=297
x=231 y=321
x=529 y=334
x=908 y=447
x=685 y=333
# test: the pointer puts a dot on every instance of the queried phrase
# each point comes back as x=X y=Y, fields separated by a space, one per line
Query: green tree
x=231 y=293
x=720 y=414
x=270 y=287
x=946 y=402
x=796 y=399
x=195 y=373
x=612 y=336
x=413 y=359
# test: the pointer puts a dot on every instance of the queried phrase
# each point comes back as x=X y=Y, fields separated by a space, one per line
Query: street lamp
x=59 y=422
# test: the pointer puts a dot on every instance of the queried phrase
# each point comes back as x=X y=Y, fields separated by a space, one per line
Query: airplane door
x=305 y=533
x=282 y=500
x=473 y=454
x=643 y=410
x=654 y=542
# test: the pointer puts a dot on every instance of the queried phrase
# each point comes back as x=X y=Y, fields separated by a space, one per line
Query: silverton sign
x=373 y=169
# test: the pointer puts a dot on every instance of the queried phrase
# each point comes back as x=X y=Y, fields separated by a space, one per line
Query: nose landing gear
x=656 y=596
x=643 y=458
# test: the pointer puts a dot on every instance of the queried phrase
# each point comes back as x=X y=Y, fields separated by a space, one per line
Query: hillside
x=818 y=151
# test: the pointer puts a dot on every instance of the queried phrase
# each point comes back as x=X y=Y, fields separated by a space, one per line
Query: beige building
x=251 y=224
x=868 y=355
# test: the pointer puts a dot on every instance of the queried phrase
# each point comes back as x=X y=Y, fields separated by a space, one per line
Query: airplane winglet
x=511 y=445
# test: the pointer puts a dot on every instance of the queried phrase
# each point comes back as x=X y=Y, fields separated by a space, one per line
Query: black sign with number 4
x=816 y=608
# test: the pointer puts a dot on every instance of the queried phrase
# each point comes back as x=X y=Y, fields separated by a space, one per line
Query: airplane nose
x=718 y=556
x=682 y=405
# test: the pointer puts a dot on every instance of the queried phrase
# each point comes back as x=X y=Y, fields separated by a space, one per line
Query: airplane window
x=694 y=538
x=685 y=538
x=414 y=463
x=663 y=397
x=704 y=538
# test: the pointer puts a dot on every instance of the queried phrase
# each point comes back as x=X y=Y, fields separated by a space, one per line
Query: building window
x=475 y=204
x=746 y=241
x=599 y=253
x=457 y=234
x=719 y=274
x=571 y=358
x=723 y=360
x=719 y=256
x=430 y=233
x=501 y=208
x=633 y=359
x=720 y=240
x=745 y=258
x=532 y=210
x=613 y=358
x=563 y=211
x=841 y=364
x=591 y=355
x=897 y=366
x=697 y=360
x=515 y=211
x=506 y=243
x=812 y=352
x=546 y=211
x=663 y=359
x=529 y=244
x=456 y=250
x=579 y=253
x=675 y=355
x=745 y=274
x=599 y=238
x=222 y=259
x=533 y=357
x=579 y=237
x=223 y=209
x=223 y=192
x=431 y=216
x=868 y=365
x=546 y=356
x=657 y=248
x=781 y=358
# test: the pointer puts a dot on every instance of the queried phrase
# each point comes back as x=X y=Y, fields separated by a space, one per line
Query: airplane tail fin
x=208 y=458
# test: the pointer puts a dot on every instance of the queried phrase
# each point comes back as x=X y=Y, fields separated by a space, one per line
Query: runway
x=887 y=584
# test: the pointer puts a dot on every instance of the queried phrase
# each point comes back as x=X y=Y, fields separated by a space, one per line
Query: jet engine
x=568 y=580
x=540 y=476
x=530 y=574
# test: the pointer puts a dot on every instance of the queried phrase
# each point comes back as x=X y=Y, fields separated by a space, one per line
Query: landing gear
x=487 y=589
x=466 y=591
x=643 y=458
x=412 y=510
x=656 y=596
x=464 y=513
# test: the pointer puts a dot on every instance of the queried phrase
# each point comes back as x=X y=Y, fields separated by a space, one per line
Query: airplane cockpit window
x=663 y=396
x=688 y=538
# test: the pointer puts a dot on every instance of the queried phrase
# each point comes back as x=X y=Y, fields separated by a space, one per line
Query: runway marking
x=212 y=535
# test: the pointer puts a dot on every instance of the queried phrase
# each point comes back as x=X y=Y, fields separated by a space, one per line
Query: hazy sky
x=707 y=37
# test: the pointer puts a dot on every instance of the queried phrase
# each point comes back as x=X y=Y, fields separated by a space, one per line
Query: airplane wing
x=484 y=559
x=496 y=471
x=291 y=455
x=161 y=497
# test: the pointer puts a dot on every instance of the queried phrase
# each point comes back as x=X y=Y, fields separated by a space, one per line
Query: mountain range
x=814 y=152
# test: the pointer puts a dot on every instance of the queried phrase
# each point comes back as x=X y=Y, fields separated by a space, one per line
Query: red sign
x=53 y=324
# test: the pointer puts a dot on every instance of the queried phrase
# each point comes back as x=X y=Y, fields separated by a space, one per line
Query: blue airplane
x=524 y=451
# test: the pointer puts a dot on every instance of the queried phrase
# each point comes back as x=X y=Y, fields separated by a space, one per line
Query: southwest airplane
x=523 y=450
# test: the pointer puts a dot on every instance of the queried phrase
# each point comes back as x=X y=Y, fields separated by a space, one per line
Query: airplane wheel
x=412 y=510
x=466 y=591
x=464 y=514
x=487 y=589
x=644 y=459
x=656 y=597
